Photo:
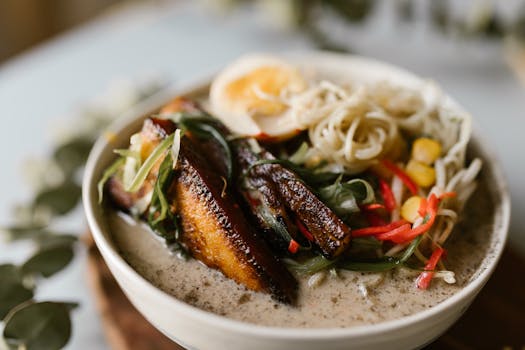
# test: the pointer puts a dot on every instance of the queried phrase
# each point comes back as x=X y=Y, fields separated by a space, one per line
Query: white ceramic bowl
x=197 y=329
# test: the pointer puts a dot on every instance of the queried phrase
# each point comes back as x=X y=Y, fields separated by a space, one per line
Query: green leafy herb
x=59 y=200
x=312 y=265
x=12 y=289
x=36 y=326
x=411 y=249
x=128 y=153
x=319 y=262
x=145 y=169
x=345 y=197
x=373 y=265
x=72 y=155
x=274 y=223
x=49 y=260
x=299 y=157
x=108 y=173
x=159 y=203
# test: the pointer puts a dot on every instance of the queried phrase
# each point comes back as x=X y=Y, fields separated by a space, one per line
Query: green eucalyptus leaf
x=49 y=260
x=14 y=233
x=51 y=239
x=59 y=200
x=73 y=154
x=12 y=290
x=39 y=326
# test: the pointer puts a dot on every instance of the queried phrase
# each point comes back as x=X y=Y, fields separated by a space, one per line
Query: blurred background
x=25 y=23
x=63 y=59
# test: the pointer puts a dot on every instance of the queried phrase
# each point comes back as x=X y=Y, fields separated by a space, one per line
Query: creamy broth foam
x=351 y=299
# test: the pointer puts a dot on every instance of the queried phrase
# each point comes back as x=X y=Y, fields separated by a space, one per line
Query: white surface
x=180 y=42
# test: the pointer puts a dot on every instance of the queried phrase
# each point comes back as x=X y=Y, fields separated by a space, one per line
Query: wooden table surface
x=496 y=319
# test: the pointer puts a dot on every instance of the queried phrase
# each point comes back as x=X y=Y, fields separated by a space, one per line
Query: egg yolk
x=257 y=92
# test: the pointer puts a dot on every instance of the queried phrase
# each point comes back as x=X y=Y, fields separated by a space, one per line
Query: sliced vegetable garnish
x=274 y=223
x=159 y=207
x=149 y=163
x=307 y=234
x=422 y=211
x=411 y=185
x=373 y=206
x=447 y=195
x=423 y=281
x=403 y=237
x=108 y=173
x=388 y=195
x=311 y=265
x=175 y=148
x=299 y=157
x=403 y=229
x=345 y=197
x=367 y=231
x=293 y=247
x=377 y=265
x=411 y=249
x=128 y=153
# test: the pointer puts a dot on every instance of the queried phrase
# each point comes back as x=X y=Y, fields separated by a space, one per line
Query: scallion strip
x=128 y=153
x=379 y=265
x=311 y=265
x=299 y=157
x=109 y=172
x=411 y=249
x=272 y=221
x=159 y=195
x=175 y=148
x=144 y=170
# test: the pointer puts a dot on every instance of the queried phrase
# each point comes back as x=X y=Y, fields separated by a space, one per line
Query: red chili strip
x=447 y=195
x=254 y=202
x=307 y=234
x=388 y=195
x=293 y=247
x=373 y=206
x=422 y=211
x=423 y=281
x=413 y=233
x=401 y=230
x=378 y=229
x=402 y=175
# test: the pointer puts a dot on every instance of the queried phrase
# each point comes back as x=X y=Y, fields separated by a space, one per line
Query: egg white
x=237 y=118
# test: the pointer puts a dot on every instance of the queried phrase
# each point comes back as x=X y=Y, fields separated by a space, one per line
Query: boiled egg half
x=249 y=97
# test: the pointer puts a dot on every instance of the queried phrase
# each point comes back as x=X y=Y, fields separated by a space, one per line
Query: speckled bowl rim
x=499 y=236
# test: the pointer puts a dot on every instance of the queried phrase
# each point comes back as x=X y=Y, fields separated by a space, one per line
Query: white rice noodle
x=353 y=128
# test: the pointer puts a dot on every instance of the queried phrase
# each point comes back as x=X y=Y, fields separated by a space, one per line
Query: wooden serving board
x=496 y=319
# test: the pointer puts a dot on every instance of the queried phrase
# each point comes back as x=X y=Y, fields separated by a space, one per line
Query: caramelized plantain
x=217 y=233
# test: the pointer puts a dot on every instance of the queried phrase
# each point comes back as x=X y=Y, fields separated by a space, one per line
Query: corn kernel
x=426 y=150
x=422 y=174
x=409 y=210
